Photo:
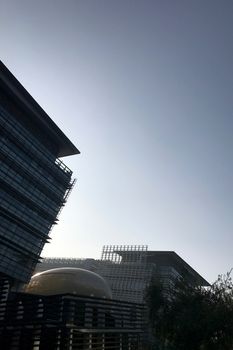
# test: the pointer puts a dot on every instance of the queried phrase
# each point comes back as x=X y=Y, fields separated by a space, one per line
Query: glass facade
x=34 y=184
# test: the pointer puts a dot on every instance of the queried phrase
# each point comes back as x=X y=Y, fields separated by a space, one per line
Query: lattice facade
x=129 y=269
x=126 y=270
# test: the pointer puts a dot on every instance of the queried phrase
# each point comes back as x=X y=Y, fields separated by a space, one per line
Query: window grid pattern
x=126 y=270
x=8 y=149
x=37 y=181
x=23 y=186
x=33 y=188
x=23 y=136
x=21 y=238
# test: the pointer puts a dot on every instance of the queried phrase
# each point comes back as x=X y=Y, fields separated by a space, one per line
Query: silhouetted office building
x=34 y=183
x=129 y=269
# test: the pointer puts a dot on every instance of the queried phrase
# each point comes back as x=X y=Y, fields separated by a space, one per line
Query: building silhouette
x=34 y=182
x=129 y=269
x=71 y=309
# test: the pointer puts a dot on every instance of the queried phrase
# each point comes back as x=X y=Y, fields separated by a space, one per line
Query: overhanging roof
x=173 y=259
x=13 y=87
x=168 y=258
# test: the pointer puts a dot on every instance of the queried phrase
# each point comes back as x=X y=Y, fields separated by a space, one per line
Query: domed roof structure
x=69 y=280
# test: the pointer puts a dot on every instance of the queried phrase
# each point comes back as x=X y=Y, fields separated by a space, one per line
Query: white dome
x=69 y=280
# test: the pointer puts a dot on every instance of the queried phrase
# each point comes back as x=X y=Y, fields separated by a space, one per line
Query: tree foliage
x=192 y=318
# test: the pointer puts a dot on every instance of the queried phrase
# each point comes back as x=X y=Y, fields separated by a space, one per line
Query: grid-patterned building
x=34 y=182
x=129 y=269
x=126 y=270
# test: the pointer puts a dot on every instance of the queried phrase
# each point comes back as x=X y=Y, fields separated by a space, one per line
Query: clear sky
x=144 y=90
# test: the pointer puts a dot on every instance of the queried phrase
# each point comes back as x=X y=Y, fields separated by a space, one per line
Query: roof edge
x=16 y=89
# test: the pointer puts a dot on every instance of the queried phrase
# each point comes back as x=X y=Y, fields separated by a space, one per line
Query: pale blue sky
x=144 y=90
